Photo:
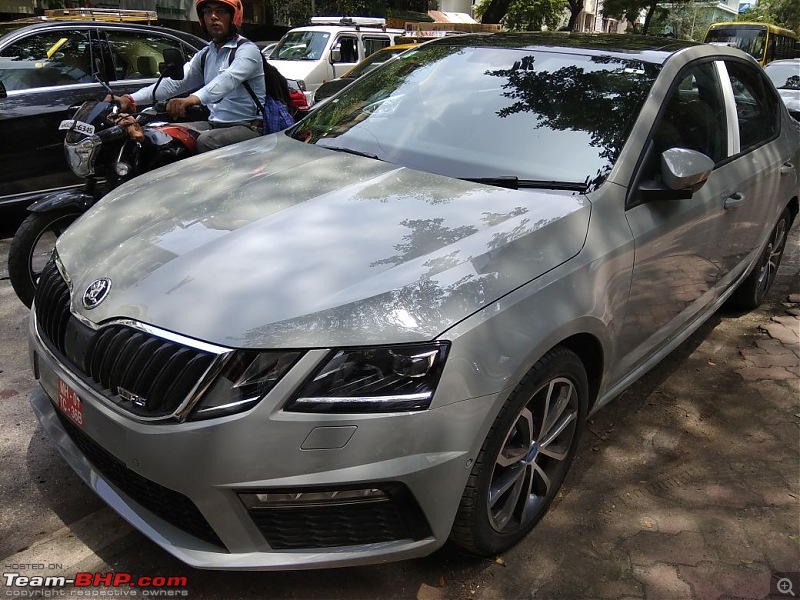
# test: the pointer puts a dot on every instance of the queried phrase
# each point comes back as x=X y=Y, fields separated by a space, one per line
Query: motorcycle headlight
x=246 y=378
x=81 y=156
x=370 y=380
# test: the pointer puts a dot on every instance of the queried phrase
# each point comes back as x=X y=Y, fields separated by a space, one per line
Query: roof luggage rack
x=356 y=22
x=100 y=14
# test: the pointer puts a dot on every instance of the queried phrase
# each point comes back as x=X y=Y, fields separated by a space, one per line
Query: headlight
x=246 y=378
x=382 y=379
x=81 y=156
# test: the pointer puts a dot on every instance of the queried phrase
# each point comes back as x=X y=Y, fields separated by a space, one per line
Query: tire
x=31 y=248
x=752 y=292
x=508 y=492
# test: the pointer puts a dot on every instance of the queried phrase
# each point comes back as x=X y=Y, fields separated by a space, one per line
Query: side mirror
x=336 y=56
x=682 y=168
x=172 y=66
x=683 y=172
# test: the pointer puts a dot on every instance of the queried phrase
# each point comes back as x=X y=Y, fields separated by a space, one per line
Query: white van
x=328 y=47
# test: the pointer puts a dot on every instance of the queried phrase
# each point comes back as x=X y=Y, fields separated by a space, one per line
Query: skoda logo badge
x=96 y=292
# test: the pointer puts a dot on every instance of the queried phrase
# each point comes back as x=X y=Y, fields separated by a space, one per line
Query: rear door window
x=756 y=105
x=373 y=43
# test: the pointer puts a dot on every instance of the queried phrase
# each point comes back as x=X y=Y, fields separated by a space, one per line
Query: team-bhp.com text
x=87 y=584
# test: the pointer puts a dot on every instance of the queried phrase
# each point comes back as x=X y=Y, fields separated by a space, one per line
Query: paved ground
x=687 y=486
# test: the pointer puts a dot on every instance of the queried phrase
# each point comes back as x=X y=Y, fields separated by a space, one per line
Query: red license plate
x=69 y=403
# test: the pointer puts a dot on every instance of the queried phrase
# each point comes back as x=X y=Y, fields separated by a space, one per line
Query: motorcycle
x=106 y=148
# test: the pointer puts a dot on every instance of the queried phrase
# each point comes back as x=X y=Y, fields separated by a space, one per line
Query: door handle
x=734 y=200
x=787 y=168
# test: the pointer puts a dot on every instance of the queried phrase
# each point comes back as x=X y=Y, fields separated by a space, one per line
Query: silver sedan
x=386 y=327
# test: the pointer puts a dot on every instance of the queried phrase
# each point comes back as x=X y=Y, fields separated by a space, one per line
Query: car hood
x=276 y=243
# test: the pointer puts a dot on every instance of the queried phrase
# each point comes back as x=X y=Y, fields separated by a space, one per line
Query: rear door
x=762 y=162
x=45 y=73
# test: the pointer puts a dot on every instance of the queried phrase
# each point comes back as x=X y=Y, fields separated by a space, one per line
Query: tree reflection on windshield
x=602 y=100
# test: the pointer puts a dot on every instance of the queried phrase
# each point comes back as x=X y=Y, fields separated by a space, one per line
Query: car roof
x=647 y=48
x=26 y=28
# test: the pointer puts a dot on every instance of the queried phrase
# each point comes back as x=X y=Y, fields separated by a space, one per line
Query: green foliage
x=624 y=9
x=528 y=15
x=687 y=20
x=783 y=13
x=293 y=13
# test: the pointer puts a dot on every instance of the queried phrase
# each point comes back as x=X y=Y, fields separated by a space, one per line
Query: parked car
x=785 y=74
x=386 y=327
x=329 y=88
x=328 y=47
x=46 y=71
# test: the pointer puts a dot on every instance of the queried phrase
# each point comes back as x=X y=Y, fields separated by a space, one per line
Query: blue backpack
x=276 y=105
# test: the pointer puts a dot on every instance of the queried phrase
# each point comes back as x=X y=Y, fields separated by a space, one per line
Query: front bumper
x=179 y=484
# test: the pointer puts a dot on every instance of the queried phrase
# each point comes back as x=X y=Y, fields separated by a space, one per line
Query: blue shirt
x=219 y=87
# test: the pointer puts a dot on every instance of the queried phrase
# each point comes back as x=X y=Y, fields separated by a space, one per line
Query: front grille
x=172 y=506
x=145 y=374
x=399 y=518
x=52 y=305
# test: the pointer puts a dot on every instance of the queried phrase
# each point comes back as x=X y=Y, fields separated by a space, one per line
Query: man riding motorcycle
x=215 y=81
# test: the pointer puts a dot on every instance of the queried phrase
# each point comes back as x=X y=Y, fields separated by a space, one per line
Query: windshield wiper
x=515 y=183
x=350 y=151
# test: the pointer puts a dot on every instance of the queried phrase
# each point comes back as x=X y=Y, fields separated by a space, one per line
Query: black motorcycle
x=99 y=148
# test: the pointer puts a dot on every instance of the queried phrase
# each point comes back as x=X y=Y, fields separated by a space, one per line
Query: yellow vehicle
x=762 y=41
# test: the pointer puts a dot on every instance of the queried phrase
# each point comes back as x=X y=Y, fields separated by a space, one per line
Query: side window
x=137 y=55
x=756 y=107
x=346 y=49
x=695 y=115
x=374 y=43
x=46 y=59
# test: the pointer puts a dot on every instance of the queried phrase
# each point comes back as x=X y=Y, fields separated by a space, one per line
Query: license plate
x=78 y=126
x=69 y=403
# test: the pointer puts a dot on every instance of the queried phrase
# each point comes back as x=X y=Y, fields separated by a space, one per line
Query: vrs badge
x=96 y=292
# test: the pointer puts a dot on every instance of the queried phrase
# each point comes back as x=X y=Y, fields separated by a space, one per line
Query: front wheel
x=525 y=456
x=31 y=248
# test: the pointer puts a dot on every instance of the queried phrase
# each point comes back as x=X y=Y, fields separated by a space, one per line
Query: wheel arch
x=590 y=351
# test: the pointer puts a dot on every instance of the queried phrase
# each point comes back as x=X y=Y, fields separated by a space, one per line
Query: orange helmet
x=235 y=6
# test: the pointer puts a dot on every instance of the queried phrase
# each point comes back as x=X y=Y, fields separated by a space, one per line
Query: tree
x=529 y=12
x=631 y=9
x=687 y=20
x=526 y=15
x=783 y=13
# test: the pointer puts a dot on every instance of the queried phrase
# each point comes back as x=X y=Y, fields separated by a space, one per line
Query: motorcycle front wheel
x=31 y=248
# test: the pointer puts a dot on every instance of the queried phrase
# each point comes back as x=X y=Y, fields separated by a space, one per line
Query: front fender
x=77 y=199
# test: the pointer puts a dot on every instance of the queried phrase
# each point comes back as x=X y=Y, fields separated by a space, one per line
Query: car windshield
x=784 y=75
x=301 y=45
x=484 y=112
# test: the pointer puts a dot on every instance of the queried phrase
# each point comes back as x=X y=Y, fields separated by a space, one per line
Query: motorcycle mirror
x=173 y=64
x=172 y=67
